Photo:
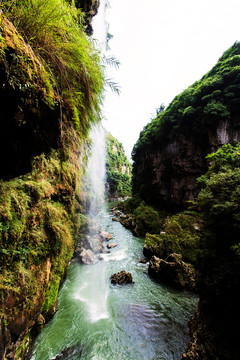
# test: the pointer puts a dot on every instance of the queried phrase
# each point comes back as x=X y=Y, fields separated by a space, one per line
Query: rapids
x=100 y=321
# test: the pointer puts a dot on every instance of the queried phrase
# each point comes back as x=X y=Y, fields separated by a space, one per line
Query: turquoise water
x=100 y=321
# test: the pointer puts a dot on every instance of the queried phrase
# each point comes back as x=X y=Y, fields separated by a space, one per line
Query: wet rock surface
x=110 y=246
x=91 y=243
x=105 y=235
x=68 y=353
x=143 y=261
x=173 y=271
x=122 y=277
x=87 y=257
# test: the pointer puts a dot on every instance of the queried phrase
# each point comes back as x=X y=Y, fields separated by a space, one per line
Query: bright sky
x=163 y=47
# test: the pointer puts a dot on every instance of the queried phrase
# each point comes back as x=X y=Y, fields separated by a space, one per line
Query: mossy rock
x=173 y=271
x=154 y=245
x=180 y=235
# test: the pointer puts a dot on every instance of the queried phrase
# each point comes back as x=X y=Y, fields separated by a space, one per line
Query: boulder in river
x=88 y=257
x=105 y=235
x=94 y=243
x=69 y=352
x=117 y=212
x=122 y=277
x=143 y=261
x=173 y=271
x=110 y=246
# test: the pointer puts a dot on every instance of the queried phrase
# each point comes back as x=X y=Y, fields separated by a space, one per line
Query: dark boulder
x=173 y=271
x=122 y=277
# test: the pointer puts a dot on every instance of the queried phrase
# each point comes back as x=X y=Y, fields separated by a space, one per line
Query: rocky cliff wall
x=168 y=171
x=44 y=128
x=170 y=153
x=168 y=158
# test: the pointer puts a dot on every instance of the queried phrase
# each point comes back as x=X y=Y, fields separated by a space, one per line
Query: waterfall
x=97 y=169
x=97 y=320
x=100 y=26
x=92 y=289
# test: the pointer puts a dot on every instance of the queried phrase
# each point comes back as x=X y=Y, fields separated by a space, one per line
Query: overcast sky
x=163 y=47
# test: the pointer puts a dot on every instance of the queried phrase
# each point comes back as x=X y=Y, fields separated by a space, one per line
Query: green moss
x=22 y=347
x=67 y=62
x=180 y=234
x=36 y=223
x=154 y=245
x=51 y=294
x=53 y=81
x=147 y=219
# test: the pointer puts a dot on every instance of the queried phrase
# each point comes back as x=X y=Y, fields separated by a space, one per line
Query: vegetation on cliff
x=118 y=169
x=213 y=98
x=53 y=30
x=170 y=152
x=207 y=236
x=215 y=329
x=51 y=83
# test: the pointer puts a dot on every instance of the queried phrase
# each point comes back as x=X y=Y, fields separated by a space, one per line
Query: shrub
x=118 y=168
x=54 y=31
x=147 y=220
x=180 y=234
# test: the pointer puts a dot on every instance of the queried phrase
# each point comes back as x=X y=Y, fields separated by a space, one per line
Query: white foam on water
x=116 y=256
x=93 y=292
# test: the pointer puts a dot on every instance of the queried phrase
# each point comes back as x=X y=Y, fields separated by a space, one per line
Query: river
x=100 y=321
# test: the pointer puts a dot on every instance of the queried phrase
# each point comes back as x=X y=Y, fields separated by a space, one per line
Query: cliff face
x=168 y=158
x=169 y=171
x=29 y=124
x=44 y=125
x=214 y=330
x=170 y=153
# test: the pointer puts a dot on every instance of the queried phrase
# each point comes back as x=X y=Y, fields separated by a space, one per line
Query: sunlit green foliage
x=54 y=31
x=143 y=218
x=219 y=200
x=219 y=256
x=51 y=91
x=213 y=98
x=119 y=169
x=179 y=234
x=36 y=221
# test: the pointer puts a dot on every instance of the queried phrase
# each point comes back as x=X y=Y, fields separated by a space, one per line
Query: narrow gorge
x=102 y=258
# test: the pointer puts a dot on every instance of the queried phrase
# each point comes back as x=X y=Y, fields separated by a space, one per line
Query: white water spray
x=100 y=25
x=93 y=290
x=97 y=169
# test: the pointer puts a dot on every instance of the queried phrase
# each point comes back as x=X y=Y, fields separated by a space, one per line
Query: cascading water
x=96 y=169
x=100 y=321
x=93 y=290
